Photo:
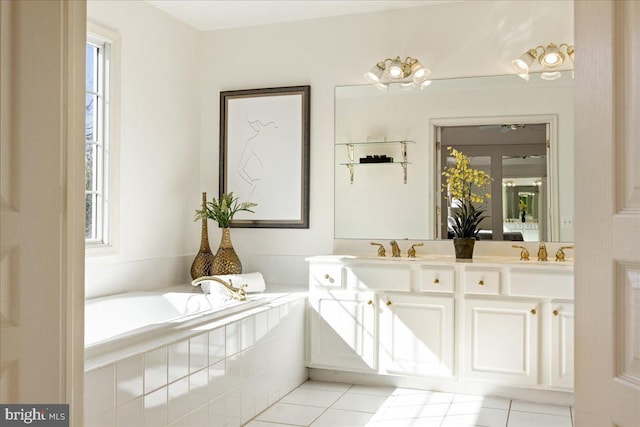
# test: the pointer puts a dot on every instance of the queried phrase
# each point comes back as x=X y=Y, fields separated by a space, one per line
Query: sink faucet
x=560 y=254
x=381 y=251
x=395 y=249
x=412 y=250
x=524 y=253
x=542 y=252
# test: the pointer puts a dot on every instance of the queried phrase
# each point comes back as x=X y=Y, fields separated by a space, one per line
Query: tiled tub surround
x=493 y=326
x=218 y=372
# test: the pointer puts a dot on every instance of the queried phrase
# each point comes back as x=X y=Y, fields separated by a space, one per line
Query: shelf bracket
x=351 y=171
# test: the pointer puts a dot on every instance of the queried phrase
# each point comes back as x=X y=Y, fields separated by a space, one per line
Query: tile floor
x=324 y=404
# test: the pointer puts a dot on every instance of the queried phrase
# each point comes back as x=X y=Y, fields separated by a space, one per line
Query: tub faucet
x=236 y=293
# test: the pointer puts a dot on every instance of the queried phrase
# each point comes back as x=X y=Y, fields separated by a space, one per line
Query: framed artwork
x=264 y=154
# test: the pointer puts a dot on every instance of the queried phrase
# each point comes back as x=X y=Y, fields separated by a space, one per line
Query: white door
x=41 y=202
x=562 y=347
x=501 y=343
x=416 y=334
x=342 y=331
x=607 y=265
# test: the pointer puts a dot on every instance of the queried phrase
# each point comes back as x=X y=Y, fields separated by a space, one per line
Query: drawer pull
x=388 y=302
x=556 y=312
x=533 y=311
x=481 y=283
x=370 y=302
x=436 y=281
x=329 y=278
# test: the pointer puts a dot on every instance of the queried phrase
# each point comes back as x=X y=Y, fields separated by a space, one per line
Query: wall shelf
x=352 y=163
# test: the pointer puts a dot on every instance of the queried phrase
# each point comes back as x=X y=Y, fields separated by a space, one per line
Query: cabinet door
x=416 y=334
x=501 y=341
x=342 y=330
x=562 y=346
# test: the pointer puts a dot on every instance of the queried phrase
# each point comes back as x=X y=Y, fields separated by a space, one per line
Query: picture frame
x=264 y=154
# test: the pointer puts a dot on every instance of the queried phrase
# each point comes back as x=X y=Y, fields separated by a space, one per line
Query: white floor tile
x=297 y=415
x=371 y=389
x=485 y=417
x=339 y=418
x=321 y=385
x=486 y=401
x=255 y=423
x=360 y=402
x=414 y=422
x=409 y=412
x=539 y=408
x=530 y=419
x=311 y=397
x=419 y=399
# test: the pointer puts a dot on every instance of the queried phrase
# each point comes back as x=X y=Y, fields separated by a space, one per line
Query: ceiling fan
x=503 y=128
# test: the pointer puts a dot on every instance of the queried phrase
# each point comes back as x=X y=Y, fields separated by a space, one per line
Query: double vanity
x=494 y=325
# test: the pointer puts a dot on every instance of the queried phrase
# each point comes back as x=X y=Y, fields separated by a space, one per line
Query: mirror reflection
x=391 y=147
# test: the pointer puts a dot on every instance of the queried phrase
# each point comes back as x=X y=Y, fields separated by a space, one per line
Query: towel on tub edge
x=254 y=281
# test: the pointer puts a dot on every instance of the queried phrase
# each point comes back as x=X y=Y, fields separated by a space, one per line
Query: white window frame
x=108 y=125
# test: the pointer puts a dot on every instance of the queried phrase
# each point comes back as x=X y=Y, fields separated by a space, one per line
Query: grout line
x=571 y=413
x=326 y=409
x=508 y=413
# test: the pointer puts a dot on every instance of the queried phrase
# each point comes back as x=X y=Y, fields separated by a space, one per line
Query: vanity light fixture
x=395 y=70
x=550 y=59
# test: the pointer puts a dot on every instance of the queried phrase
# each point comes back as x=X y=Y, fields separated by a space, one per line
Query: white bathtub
x=123 y=319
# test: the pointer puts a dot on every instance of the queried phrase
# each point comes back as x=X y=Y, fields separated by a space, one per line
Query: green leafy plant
x=459 y=185
x=222 y=211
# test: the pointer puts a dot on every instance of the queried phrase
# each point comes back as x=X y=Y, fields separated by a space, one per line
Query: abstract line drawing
x=251 y=166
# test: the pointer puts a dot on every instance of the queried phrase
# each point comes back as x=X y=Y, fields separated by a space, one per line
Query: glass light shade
x=374 y=75
x=551 y=58
x=394 y=70
x=420 y=72
x=381 y=86
x=521 y=65
x=425 y=83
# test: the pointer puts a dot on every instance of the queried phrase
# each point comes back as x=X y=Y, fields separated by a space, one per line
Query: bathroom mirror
x=388 y=154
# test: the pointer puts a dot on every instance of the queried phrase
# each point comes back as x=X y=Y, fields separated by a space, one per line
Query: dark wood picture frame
x=264 y=145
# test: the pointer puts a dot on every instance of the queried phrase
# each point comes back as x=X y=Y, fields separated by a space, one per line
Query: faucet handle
x=560 y=254
x=381 y=250
x=524 y=253
x=411 y=253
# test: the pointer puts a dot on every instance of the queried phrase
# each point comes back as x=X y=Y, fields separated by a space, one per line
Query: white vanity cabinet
x=487 y=323
x=416 y=334
x=501 y=341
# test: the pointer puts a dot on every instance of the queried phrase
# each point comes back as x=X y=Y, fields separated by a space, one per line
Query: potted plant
x=465 y=186
x=222 y=211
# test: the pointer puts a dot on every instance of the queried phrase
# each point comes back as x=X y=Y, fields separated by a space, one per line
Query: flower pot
x=226 y=260
x=464 y=247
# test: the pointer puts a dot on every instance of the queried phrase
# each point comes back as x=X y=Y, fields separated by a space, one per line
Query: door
x=41 y=203
x=416 y=335
x=562 y=348
x=343 y=330
x=501 y=342
x=607 y=266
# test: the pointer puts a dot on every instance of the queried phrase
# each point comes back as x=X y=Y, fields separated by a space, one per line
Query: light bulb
x=394 y=70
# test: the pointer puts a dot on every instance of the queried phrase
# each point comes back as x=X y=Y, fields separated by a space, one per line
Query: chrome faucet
x=381 y=250
x=542 y=252
x=560 y=254
x=411 y=253
x=524 y=253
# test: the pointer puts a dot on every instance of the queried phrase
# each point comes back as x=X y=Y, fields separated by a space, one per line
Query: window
x=97 y=140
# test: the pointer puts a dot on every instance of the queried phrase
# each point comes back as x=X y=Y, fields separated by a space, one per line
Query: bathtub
x=125 y=319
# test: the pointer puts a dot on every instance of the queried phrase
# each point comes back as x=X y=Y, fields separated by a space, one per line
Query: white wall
x=453 y=39
x=159 y=150
x=171 y=82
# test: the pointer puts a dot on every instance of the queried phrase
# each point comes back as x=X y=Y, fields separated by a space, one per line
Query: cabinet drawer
x=543 y=284
x=383 y=277
x=481 y=281
x=325 y=274
x=437 y=279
